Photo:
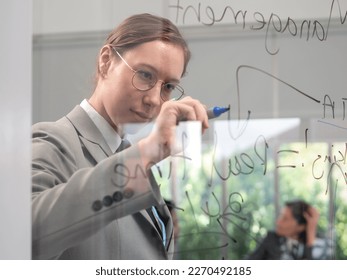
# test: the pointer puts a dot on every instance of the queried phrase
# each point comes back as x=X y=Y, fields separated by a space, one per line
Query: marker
x=215 y=112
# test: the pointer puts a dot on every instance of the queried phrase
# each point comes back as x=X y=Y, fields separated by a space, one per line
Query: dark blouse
x=275 y=247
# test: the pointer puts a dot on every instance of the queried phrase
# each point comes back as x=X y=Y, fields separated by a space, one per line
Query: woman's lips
x=143 y=116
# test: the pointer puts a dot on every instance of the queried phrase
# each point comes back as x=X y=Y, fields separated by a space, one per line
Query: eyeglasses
x=145 y=80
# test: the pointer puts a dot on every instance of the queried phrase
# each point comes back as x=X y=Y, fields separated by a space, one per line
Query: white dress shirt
x=112 y=138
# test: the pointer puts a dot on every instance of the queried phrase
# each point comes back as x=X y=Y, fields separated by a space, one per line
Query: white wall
x=15 y=116
x=59 y=16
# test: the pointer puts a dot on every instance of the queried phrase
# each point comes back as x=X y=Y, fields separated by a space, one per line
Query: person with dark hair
x=93 y=194
x=294 y=236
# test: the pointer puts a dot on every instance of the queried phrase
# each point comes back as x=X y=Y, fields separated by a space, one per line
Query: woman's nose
x=152 y=97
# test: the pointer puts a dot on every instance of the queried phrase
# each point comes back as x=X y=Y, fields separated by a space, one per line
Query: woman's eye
x=145 y=75
x=169 y=87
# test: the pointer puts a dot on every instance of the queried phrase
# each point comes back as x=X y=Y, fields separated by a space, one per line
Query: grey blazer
x=88 y=203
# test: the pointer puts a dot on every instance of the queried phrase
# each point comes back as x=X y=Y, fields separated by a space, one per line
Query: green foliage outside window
x=224 y=217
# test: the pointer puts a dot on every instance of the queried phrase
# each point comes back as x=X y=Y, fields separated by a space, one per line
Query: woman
x=90 y=199
x=294 y=235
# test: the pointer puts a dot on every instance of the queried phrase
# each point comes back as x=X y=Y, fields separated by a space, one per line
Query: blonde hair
x=143 y=28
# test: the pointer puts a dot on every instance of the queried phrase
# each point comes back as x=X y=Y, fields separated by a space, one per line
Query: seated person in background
x=294 y=235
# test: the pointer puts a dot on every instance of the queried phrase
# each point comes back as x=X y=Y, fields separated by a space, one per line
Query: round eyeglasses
x=144 y=80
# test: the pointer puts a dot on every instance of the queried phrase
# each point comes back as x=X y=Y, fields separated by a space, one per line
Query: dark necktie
x=153 y=213
x=123 y=145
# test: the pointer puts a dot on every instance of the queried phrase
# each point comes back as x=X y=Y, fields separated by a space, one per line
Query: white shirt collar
x=112 y=138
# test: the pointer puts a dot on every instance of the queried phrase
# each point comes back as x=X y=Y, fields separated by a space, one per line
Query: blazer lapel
x=89 y=134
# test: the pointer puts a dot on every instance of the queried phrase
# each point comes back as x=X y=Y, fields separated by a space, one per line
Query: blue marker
x=216 y=111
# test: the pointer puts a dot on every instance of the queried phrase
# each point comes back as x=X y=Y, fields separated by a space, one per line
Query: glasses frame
x=177 y=87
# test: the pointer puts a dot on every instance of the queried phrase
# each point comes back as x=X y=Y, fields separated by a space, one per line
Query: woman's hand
x=161 y=141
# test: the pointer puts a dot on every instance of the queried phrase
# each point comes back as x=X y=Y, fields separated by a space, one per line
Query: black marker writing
x=272 y=23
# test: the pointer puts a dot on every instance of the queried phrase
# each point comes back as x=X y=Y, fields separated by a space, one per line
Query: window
x=231 y=195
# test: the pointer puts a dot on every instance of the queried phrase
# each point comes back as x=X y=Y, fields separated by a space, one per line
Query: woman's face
x=119 y=101
x=287 y=225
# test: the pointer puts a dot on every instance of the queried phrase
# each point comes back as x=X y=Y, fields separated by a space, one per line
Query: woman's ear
x=104 y=61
